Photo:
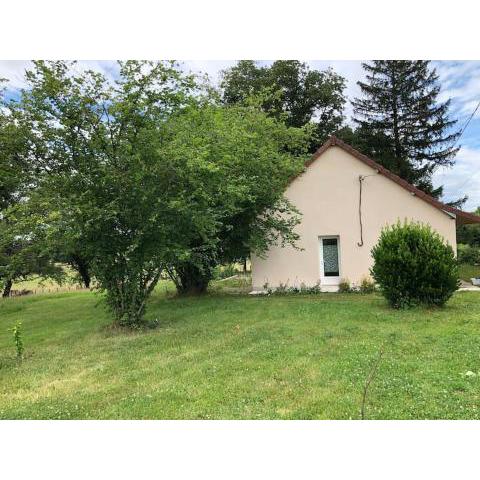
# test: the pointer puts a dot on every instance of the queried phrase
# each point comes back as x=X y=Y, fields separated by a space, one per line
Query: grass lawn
x=228 y=356
x=466 y=272
x=46 y=285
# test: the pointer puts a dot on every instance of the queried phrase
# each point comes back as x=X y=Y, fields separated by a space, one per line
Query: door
x=329 y=260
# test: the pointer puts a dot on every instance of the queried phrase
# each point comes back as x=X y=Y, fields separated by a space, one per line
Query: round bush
x=412 y=266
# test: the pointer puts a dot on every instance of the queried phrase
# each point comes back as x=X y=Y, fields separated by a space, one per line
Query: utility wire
x=458 y=138
x=466 y=125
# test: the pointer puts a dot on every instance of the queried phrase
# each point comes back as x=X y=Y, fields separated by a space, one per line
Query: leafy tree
x=233 y=166
x=149 y=174
x=291 y=92
x=402 y=124
x=110 y=193
x=20 y=256
x=14 y=167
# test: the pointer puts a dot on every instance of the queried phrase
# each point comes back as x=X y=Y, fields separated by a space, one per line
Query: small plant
x=17 y=338
x=413 y=265
x=267 y=289
x=284 y=289
x=371 y=376
x=366 y=286
x=344 y=286
x=313 y=290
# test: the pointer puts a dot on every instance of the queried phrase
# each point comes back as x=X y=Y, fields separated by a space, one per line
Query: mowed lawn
x=228 y=356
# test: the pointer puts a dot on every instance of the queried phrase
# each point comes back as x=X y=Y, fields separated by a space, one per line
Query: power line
x=461 y=133
x=466 y=125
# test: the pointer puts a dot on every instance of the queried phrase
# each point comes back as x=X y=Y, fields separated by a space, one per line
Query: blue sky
x=459 y=80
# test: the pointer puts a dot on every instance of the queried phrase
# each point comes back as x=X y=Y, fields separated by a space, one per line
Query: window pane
x=330 y=257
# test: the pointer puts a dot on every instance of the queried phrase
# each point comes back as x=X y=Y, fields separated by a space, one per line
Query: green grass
x=46 y=285
x=228 y=356
x=466 y=272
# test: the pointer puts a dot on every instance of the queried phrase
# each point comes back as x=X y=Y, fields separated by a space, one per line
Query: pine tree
x=401 y=123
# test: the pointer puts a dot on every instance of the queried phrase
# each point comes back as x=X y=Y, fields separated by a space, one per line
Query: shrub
x=414 y=266
x=468 y=254
x=344 y=286
x=366 y=286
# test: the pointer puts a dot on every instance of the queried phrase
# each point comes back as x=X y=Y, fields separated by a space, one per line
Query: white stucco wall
x=327 y=194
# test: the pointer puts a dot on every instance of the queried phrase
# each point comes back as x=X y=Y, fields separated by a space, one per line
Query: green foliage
x=18 y=339
x=366 y=286
x=401 y=122
x=15 y=170
x=150 y=175
x=414 y=266
x=469 y=234
x=232 y=165
x=467 y=272
x=20 y=255
x=468 y=254
x=224 y=271
x=289 y=91
x=104 y=190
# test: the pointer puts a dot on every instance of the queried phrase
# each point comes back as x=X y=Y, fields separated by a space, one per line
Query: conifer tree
x=402 y=124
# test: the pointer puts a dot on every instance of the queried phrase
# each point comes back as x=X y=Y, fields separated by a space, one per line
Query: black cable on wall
x=361 y=178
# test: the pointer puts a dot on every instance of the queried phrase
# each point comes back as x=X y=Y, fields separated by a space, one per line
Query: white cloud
x=108 y=68
x=352 y=71
x=14 y=70
x=460 y=82
x=212 y=68
x=463 y=178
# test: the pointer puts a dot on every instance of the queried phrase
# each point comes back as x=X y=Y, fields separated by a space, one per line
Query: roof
x=460 y=216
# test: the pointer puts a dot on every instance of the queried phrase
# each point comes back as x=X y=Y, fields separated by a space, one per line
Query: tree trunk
x=192 y=280
x=81 y=266
x=7 y=289
x=83 y=272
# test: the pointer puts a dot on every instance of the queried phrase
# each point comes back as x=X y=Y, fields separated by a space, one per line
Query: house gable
x=460 y=216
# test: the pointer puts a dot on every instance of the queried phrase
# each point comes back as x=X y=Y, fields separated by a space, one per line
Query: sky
x=459 y=81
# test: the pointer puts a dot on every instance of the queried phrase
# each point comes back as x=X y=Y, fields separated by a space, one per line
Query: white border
x=220 y=29
x=239 y=450
x=340 y=30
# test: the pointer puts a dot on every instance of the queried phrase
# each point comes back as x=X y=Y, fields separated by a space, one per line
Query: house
x=346 y=199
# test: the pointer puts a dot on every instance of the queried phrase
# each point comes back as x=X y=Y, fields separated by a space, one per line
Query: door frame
x=329 y=280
